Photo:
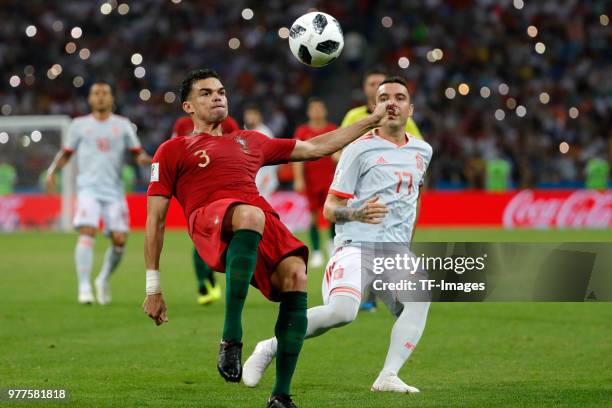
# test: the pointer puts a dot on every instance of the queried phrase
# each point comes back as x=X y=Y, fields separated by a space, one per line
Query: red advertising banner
x=516 y=209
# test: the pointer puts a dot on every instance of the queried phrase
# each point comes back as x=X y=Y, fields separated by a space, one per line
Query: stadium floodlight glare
x=15 y=81
x=563 y=147
x=283 y=33
x=234 y=43
x=247 y=14
x=31 y=30
x=573 y=112
x=76 y=32
x=36 y=136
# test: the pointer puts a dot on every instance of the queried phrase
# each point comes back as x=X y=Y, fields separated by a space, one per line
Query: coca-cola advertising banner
x=518 y=209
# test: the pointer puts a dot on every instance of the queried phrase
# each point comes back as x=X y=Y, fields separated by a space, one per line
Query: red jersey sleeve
x=229 y=125
x=164 y=168
x=275 y=151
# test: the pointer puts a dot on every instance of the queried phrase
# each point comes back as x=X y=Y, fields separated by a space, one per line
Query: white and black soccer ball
x=316 y=39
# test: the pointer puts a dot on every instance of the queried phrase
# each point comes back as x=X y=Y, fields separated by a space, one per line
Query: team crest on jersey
x=242 y=142
x=420 y=164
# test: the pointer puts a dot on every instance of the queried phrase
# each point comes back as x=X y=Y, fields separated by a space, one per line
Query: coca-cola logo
x=580 y=209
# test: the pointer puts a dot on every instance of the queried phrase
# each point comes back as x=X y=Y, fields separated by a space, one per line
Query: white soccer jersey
x=100 y=148
x=373 y=166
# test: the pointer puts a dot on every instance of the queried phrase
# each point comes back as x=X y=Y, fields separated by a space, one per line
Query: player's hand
x=298 y=185
x=372 y=212
x=155 y=307
x=50 y=183
x=384 y=109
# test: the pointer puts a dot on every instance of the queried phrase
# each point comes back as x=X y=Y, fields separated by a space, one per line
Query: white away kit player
x=99 y=141
x=373 y=198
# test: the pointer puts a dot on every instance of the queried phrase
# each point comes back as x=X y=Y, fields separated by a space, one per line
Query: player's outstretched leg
x=112 y=257
x=207 y=289
x=247 y=223
x=290 y=278
x=405 y=335
x=83 y=258
x=339 y=311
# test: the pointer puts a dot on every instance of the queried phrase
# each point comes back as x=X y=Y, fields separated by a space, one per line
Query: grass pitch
x=472 y=354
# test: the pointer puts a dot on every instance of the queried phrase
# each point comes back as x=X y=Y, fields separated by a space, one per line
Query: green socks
x=314 y=237
x=203 y=273
x=240 y=264
x=290 y=330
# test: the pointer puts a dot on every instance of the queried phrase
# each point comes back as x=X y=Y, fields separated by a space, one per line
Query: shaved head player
x=234 y=229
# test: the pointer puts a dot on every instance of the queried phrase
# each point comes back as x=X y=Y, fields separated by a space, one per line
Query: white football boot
x=256 y=364
x=86 y=296
x=103 y=292
x=390 y=382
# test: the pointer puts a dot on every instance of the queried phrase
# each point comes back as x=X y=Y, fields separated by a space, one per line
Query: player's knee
x=294 y=277
x=248 y=217
x=118 y=239
x=344 y=310
x=89 y=231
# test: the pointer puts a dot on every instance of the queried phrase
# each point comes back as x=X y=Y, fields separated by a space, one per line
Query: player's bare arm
x=371 y=212
x=298 y=177
x=142 y=158
x=157 y=208
x=60 y=160
x=328 y=143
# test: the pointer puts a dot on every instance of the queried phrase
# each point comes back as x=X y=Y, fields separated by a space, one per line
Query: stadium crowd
x=491 y=80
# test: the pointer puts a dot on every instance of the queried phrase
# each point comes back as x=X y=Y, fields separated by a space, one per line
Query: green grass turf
x=478 y=355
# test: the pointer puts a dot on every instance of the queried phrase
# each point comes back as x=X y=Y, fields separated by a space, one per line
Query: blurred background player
x=208 y=291
x=371 y=80
x=381 y=174
x=267 y=177
x=99 y=141
x=315 y=177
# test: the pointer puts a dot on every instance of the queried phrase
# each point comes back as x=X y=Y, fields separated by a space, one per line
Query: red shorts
x=316 y=198
x=205 y=229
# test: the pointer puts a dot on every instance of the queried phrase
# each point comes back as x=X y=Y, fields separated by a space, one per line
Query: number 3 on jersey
x=202 y=155
x=408 y=178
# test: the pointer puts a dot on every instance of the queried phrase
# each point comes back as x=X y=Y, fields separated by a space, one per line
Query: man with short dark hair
x=373 y=199
x=208 y=290
x=234 y=229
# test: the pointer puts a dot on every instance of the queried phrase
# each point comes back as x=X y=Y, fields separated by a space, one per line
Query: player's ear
x=410 y=110
x=188 y=107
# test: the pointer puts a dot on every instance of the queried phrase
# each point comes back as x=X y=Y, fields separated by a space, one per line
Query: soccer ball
x=316 y=39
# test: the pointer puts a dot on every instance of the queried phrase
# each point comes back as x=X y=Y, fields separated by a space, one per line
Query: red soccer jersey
x=183 y=126
x=318 y=174
x=200 y=169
